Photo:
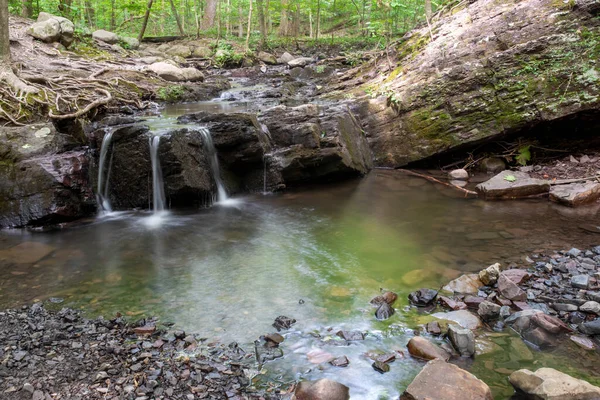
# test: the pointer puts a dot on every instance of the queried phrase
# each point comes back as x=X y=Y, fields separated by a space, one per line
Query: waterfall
x=158 y=189
x=102 y=192
x=211 y=152
x=264 y=174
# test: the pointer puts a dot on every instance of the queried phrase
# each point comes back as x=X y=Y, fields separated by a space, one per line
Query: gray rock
x=105 y=36
x=459 y=175
x=267 y=58
x=591 y=328
x=550 y=384
x=492 y=165
x=463 y=340
x=300 y=62
x=321 y=390
x=179 y=50
x=130 y=42
x=510 y=290
x=501 y=187
x=172 y=73
x=381 y=367
x=574 y=252
x=464 y=318
x=575 y=194
x=285 y=58
x=351 y=335
x=488 y=310
x=423 y=297
x=44 y=28
x=580 y=281
x=384 y=311
x=591 y=307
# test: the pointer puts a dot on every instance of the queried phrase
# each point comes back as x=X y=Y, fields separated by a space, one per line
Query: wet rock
x=459 y=175
x=550 y=384
x=583 y=342
x=387 y=297
x=591 y=307
x=340 y=362
x=319 y=356
x=386 y=358
x=283 y=322
x=422 y=297
x=433 y=328
x=351 y=335
x=464 y=318
x=590 y=328
x=499 y=187
x=463 y=340
x=492 y=165
x=384 y=311
x=575 y=194
x=452 y=304
x=490 y=275
x=381 y=367
x=488 y=310
x=465 y=284
x=274 y=338
x=173 y=73
x=473 y=301
x=580 y=281
x=518 y=276
x=323 y=389
x=441 y=380
x=105 y=36
x=420 y=347
x=510 y=290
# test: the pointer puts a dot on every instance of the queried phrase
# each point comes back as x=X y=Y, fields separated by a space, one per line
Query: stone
x=516 y=275
x=473 y=301
x=592 y=307
x=564 y=307
x=464 y=318
x=389 y=297
x=463 y=340
x=465 y=284
x=47 y=31
x=492 y=165
x=441 y=380
x=319 y=356
x=340 y=362
x=285 y=58
x=574 y=252
x=575 y=194
x=267 y=58
x=550 y=384
x=490 y=275
x=386 y=358
x=323 y=389
x=452 y=304
x=580 y=281
x=300 y=62
x=131 y=43
x=591 y=328
x=510 y=290
x=422 y=348
x=422 y=297
x=179 y=50
x=172 y=73
x=488 y=310
x=384 y=311
x=522 y=186
x=275 y=338
x=433 y=328
x=459 y=175
x=43 y=29
x=583 y=342
x=351 y=335
x=145 y=330
x=105 y=36
x=282 y=322
x=381 y=367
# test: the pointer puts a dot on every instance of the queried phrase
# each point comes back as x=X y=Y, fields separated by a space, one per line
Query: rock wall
x=485 y=69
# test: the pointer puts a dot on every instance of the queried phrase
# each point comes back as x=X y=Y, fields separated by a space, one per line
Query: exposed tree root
x=467 y=192
x=16 y=84
x=88 y=108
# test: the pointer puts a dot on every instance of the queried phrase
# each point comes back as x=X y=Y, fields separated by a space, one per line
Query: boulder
x=465 y=284
x=550 y=384
x=172 y=73
x=384 y=311
x=422 y=348
x=105 y=36
x=179 y=50
x=285 y=58
x=386 y=297
x=51 y=28
x=575 y=194
x=512 y=185
x=441 y=380
x=300 y=62
x=591 y=307
x=459 y=175
x=516 y=275
x=490 y=275
x=488 y=310
x=537 y=328
x=131 y=43
x=580 y=281
x=464 y=318
x=510 y=290
x=423 y=297
x=591 y=328
x=492 y=165
x=463 y=340
x=323 y=389
x=267 y=58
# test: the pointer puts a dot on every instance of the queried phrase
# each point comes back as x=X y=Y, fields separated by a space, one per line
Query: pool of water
x=228 y=271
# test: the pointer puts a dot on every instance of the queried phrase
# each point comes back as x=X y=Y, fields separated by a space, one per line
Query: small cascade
x=264 y=174
x=158 y=189
x=211 y=152
x=102 y=192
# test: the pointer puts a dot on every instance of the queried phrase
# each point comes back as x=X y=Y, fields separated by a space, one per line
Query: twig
x=567 y=181
x=89 y=107
x=432 y=179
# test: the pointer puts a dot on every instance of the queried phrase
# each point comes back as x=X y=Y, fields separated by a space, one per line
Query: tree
x=6 y=73
x=26 y=8
x=210 y=12
x=262 y=25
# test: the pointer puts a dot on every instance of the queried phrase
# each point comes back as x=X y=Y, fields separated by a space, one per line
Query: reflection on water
x=227 y=272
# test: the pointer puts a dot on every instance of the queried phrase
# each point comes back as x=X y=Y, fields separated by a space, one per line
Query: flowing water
x=211 y=153
x=103 y=169
x=158 y=187
x=227 y=272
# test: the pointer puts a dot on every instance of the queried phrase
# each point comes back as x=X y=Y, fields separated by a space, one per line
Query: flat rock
x=300 y=62
x=319 y=356
x=422 y=348
x=510 y=290
x=516 y=275
x=464 y=318
x=340 y=362
x=591 y=328
x=523 y=186
x=106 y=36
x=592 y=307
x=550 y=384
x=465 y=284
x=575 y=194
x=583 y=342
x=463 y=340
x=441 y=380
x=321 y=390
x=580 y=281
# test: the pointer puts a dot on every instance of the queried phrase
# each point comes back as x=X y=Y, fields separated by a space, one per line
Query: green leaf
x=524 y=155
x=510 y=178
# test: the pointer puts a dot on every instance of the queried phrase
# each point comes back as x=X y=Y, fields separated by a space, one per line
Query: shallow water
x=228 y=271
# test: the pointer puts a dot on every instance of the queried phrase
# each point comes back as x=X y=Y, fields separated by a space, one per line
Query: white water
x=211 y=153
x=158 y=189
x=102 y=192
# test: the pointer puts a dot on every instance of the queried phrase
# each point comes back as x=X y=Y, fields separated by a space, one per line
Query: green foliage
x=524 y=155
x=510 y=178
x=170 y=94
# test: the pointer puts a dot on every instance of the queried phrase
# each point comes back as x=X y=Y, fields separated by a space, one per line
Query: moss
x=170 y=94
x=413 y=46
x=434 y=124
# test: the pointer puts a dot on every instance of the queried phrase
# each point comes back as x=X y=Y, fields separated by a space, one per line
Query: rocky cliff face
x=484 y=69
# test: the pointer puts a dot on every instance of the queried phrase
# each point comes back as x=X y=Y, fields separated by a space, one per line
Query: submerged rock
x=575 y=194
x=323 y=389
x=423 y=297
x=464 y=318
x=422 y=348
x=441 y=380
x=384 y=311
x=550 y=384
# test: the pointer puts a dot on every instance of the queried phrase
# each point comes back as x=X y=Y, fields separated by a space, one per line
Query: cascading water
x=211 y=152
x=158 y=189
x=102 y=192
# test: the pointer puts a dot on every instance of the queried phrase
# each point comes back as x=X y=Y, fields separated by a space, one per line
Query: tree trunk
x=318 y=19
x=90 y=13
x=284 y=29
x=64 y=6
x=249 y=26
x=145 y=23
x=175 y=14
x=240 y=19
x=262 y=26
x=428 y=11
x=269 y=20
x=210 y=12
x=4 y=38
x=26 y=8
x=296 y=21
x=113 y=22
